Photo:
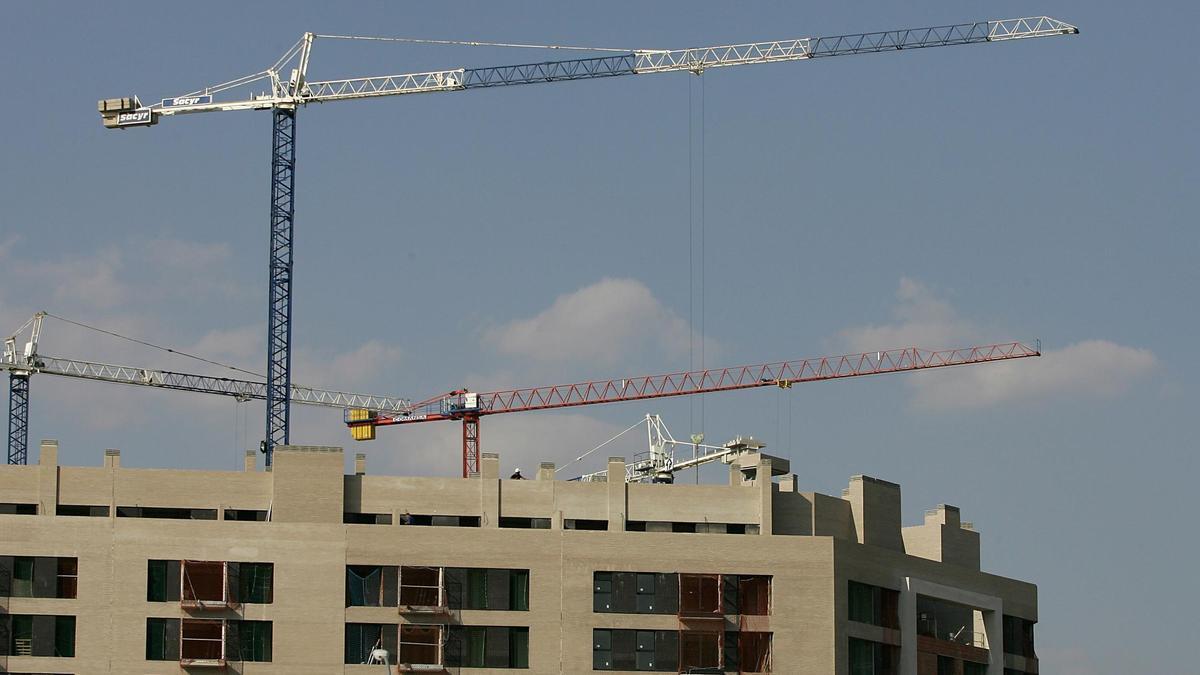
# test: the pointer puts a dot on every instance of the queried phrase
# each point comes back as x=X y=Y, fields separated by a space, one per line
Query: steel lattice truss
x=18 y=418
x=279 y=313
x=782 y=373
x=244 y=390
x=296 y=92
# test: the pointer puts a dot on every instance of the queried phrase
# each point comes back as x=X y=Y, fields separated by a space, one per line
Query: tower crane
x=288 y=89
x=468 y=406
x=23 y=364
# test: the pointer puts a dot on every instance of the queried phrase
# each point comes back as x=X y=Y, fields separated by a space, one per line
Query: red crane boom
x=468 y=406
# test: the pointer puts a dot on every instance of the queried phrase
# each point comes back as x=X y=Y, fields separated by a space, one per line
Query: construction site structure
x=288 y=88
x=22 y=359
x=307 y=570
x=469 y=407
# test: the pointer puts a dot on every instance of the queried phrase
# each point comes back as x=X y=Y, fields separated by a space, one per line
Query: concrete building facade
x=306 y=570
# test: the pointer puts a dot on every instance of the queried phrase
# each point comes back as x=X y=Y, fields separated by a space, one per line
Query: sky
x=521 y=236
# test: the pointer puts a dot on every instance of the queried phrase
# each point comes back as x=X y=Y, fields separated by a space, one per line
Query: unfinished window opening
x=162 y=639
x=370 y=586
x=8 y=508
x=22 y=577
x=699 y=650
x=683 y=527
x=362 y=638
x=525 y=523
x=256 y=583
x=481 y=588
x=421 y=587
x=206 y=584
x=164 y=512
x=163 y=580
x=252 y=515
x=420 y=645
x=586 y=524
x=486 y=647
x=700 y=595
x=754 y=595
x=367 y=518
x=753 y=652
x=68 y=577
x=37 y=635
x=82 y=510
x=248 y=641
x=202 y=642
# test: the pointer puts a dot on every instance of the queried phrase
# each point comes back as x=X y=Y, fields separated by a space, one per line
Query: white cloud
x=598 y=324
x=368 y=364
x=921 y=320
x=1087 y=368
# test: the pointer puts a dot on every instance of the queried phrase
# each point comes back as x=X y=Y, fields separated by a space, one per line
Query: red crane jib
x=781 y=374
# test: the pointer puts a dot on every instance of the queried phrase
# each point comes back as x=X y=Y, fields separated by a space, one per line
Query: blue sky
x=533 y=235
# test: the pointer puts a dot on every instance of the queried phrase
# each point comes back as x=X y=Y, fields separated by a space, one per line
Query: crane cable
x=144 y=343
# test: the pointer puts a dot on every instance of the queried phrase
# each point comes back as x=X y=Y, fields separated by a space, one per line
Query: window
x=161 y=512
x=873 y=658
x=162 y=580
x=68 y=578
x=635 y=592
x=440 y=521
x=22 y=578
x=206 y=583
x=78 y=510
x=645 y=650
x=487 y=647
x=420 y=645
x=256 y=583
x=248 y=640
x=371 y=586
x=162 y=639
x=421 y=587
x=700 y=594
x=367 y=518
x=201 y=640
x=582 y=524
x=18 y=509
x=246 y=515
x=1018 y=636
x=479 y=588
x=972 y=668
x=753 y=652
x=526 y=523
x=699 y=650
x=753 y=595
x=37 y=635
x=38 y=577
x=874 y=605
x=361 y=638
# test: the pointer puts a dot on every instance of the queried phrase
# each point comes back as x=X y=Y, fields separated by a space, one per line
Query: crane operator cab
x=460 y=402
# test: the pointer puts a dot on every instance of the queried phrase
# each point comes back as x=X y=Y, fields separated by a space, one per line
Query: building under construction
x=303 y=569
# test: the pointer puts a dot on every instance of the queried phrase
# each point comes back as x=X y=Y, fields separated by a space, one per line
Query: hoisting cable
x=627 y=430
x=154 y=346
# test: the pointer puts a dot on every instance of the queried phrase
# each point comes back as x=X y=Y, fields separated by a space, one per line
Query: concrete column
x=360 y=464
x=48 y=478
x=489 y=489
x=49 y=453
x=112 y=459
x=617 y=494
x=908 y=629
x=546 y=471
x=762 y=481
x=250 y=461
